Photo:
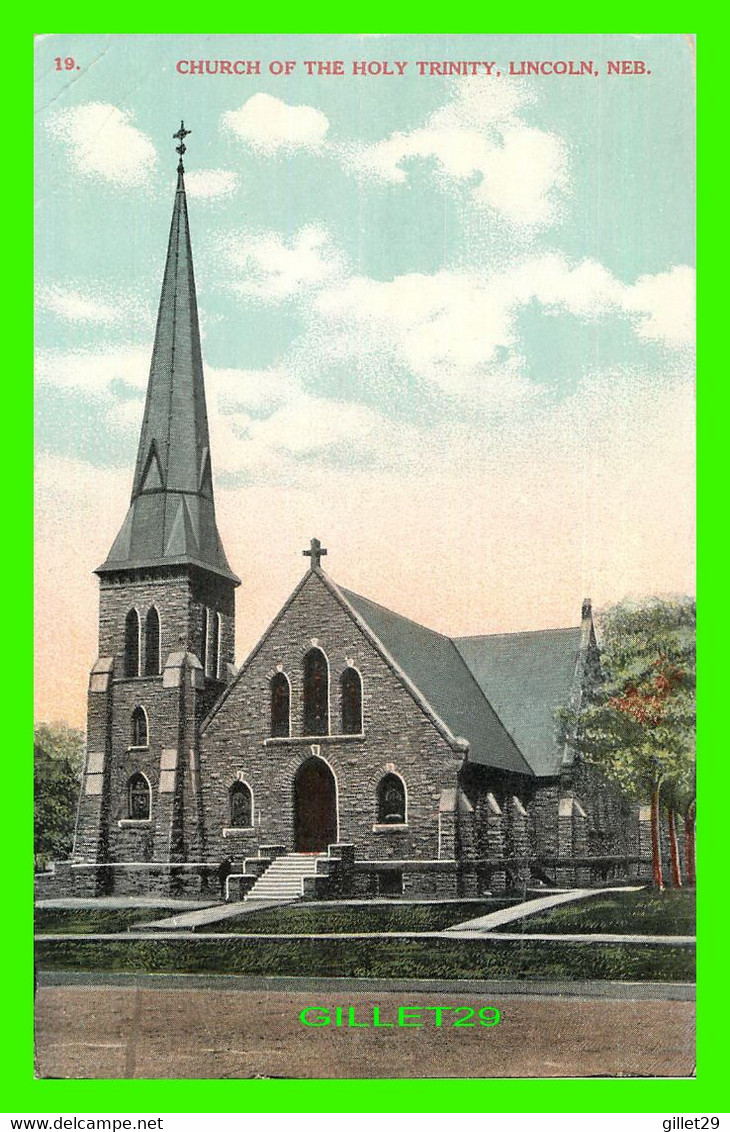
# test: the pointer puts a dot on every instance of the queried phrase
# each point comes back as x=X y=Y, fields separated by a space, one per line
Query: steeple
x=171 y=517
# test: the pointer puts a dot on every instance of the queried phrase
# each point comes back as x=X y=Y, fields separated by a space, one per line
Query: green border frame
x=24 y=1094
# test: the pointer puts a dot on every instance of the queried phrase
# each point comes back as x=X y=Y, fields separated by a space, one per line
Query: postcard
x=364 y=737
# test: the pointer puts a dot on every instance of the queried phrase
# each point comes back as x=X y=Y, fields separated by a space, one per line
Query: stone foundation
x=188 y=881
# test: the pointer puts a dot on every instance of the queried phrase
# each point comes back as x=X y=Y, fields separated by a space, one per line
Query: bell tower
x=166 y=609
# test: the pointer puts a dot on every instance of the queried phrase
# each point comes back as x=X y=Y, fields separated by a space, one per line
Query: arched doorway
x=315 y=807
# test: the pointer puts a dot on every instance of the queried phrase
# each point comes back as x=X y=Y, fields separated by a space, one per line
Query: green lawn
x=302 y=918
x=376 y=958
x=84 y=921
x=646 y=912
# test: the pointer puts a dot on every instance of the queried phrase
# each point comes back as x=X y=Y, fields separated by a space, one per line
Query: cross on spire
x=181 y=134
x=315 y=552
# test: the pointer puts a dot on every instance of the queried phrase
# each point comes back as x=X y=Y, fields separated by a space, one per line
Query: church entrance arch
x=315 y=807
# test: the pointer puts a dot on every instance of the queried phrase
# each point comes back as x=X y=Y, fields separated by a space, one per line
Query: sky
x=447 y=320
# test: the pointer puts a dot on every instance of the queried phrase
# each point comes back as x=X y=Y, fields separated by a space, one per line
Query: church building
x=354 y=752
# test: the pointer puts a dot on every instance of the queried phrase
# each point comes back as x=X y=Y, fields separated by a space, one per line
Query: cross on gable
x=315 y=552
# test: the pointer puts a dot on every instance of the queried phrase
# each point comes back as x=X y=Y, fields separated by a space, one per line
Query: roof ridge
x=517 y=633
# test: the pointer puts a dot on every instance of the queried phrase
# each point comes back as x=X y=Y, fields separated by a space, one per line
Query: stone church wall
x=104 y=831
x=612 y=823
x=397 y=737
x=180 y=599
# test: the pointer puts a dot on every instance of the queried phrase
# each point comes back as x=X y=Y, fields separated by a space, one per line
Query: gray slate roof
x=433 y=663
x=171 y=517
x=526 y=677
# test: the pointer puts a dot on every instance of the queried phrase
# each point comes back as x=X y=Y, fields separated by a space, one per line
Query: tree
x=638 y=722
x=58 y=756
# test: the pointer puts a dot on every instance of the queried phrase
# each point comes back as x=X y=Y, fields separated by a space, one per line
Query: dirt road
x=198 y=1033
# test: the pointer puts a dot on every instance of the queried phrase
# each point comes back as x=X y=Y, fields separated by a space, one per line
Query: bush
x=376 y=958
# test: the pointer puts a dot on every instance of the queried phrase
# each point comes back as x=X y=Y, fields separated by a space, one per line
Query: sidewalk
x=333 y=985
x=117 y=903
x=529 y=907
x=484 y=937
x=189 y=921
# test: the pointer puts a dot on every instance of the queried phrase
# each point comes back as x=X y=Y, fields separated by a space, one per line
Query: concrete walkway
x=217 y=912
x=189 y=921
x=118 y=903
x=605 y=937
x=529 y=908
x=260 y=937
x=332 y=985
x=213 y=914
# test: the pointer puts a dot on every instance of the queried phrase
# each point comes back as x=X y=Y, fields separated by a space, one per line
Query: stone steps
x=284 y=878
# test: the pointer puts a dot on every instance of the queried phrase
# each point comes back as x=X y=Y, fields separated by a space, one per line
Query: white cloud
x=250 y=391
x=272 y=268
x=459 y=330
x=102 y=143
x=521 y=171
x=666 y=305
x=446 y=328
x=660 y=306
x=305 y=431
x=265 y=424
x=210 y=184
x=77 y=307
x=93 y=305
x=93 y=371
x=267 y=125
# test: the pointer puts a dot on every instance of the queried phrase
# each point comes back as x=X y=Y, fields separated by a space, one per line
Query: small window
x=391 y=800
x=240 y=806
x=152 y=643
x=138 y=791
x=279 y=706
x=131 y=644
x=139 y=728
x=351 y=685
x=316 y=693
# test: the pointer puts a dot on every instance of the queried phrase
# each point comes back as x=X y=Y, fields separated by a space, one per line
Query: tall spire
x=171 y=518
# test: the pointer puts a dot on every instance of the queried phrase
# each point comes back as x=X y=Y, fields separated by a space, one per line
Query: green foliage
x=374 y=958
x=87 y=921
x=58 y=759
x=638 y=723
x=360 y=918
x=670 y=912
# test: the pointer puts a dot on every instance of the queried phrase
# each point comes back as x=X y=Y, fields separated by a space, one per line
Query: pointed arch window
x=215 y=649
x=351 y=686
x=152 y=643
x=204 y=640
x=140 y=735
x=316 y=693
x=131 y=643
x=138 y=798
x=280 y=702
x=240 y=806
x=391 y=800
